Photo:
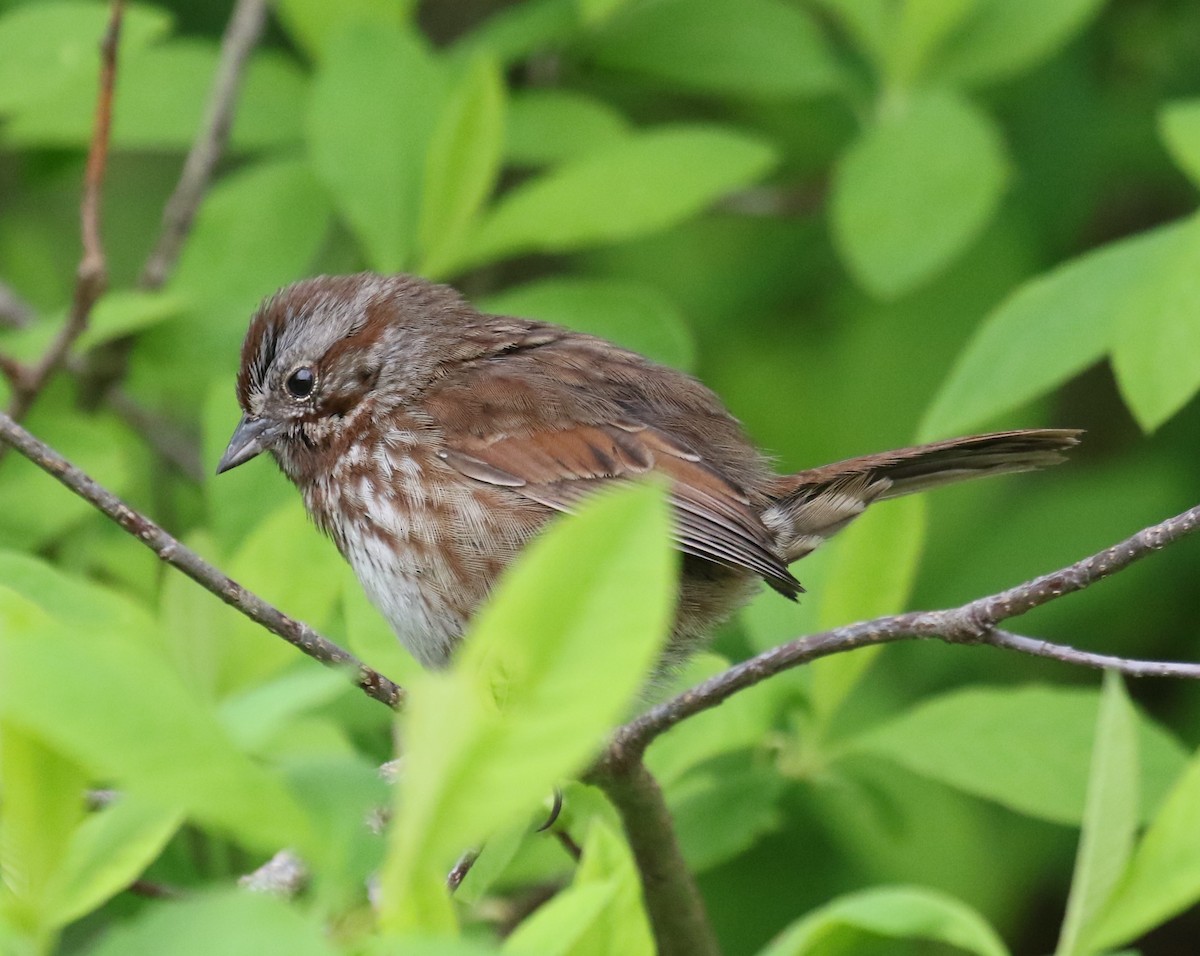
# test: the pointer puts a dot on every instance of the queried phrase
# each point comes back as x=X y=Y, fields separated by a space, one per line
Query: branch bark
x=184 y=559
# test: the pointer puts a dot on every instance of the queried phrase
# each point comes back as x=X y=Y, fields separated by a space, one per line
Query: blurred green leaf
x=915 y=190
x=549 y=665
x=1179 y=127
x=462 y=164
x=872 y=570
x=763 y=48
x=48 y=47
x=633 y=314
x=1156 y=354
x=1110 y=817
x=126 y=311
x=1003 y=37
x=918 y=29
x=514 y=32
x=642 y=184
x=232 y=923
x=109 y=701
x=164 y=92
x=552 y=126
x=1024 y=747
x=253 y=716
x=312 y=23
x=376 y=101
x=897 y=912
x=1163 y=878
x=1048 y=330
x=561 y=926
x=43 y=805
x=111 y=850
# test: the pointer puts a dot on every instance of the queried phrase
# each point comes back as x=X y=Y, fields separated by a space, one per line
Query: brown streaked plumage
x=432 y=441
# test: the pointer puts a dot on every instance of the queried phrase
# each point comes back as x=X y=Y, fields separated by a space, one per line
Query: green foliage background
x=864 y=223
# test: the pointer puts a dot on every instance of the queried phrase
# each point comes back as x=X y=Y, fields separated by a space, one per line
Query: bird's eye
x=300 y=383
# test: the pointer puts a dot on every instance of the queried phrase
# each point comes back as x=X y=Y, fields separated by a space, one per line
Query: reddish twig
x=184 y=559
x=92 y=273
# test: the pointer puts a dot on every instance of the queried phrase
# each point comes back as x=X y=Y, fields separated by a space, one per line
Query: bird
x=432 y=441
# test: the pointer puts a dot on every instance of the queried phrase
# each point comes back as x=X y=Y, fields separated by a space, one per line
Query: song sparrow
x=432 y=441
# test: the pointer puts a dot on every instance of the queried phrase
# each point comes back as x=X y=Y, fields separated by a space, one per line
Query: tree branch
x=677 y=914
x=179 y=556
x=242 y=33
x=972 y=623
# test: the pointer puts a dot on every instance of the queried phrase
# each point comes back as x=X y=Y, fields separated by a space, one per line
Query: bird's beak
x=252 y=437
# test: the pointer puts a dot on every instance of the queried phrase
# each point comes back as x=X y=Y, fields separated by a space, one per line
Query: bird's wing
x=554 y=442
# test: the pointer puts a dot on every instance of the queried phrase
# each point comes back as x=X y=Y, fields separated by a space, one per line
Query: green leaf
x=560 y=927
x=462 y=164
x=1156 y=355
x=312 y=23
x=635 y=315
x=640 y=185
x=375 y=104
x=126 y=311
x=758 y=48
x=48 y=47
x=112 y=848
x=1163 y=878
x=1110 y=817
x=257 y=229
x=109 y=701
x=916 y=31
x=1179 y=127
x=897 y=912
x=550 y=664
x=1023 y=747
x=232 y=923
x=43 y=805
x=915 y=190
x=164 y=92
x=1069 y=313
x=551 y=126
x=513 y=33
x=871 y=573
x=1004 y=37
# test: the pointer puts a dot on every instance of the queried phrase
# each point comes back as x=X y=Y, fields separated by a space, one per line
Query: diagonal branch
x=184 y=559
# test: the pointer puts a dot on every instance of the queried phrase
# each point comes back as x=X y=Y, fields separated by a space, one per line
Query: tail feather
x=817 y=503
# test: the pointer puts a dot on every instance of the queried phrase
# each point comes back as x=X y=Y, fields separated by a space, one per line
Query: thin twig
x=92 y=274
x=242 y=33
x=179 y=556
x=973 y=623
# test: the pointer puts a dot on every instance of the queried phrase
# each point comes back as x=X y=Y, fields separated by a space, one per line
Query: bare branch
x=283 y=875
x=973 y=623
x=242 y=33
x=179 y=556
x=92 y=273
x=15 y=312
x=673 y=903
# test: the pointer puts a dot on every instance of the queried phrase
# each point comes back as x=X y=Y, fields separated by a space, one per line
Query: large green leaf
x=1156 y=352
x=550 y=126
x=898 y=912
x=550 y=664
x=375 y=104
x=1163 y=878
x=108 y=700
x=915 y=189
x=1179 y=127
x=232 y=923
x=313 y=23
x=462 y=164
x=641 y=184
x=1024 y=747
x=1003 y=37
x=742 y=47
x=637 y=315
x=48 y=47
x=1110 y=817
x=1050 y=329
